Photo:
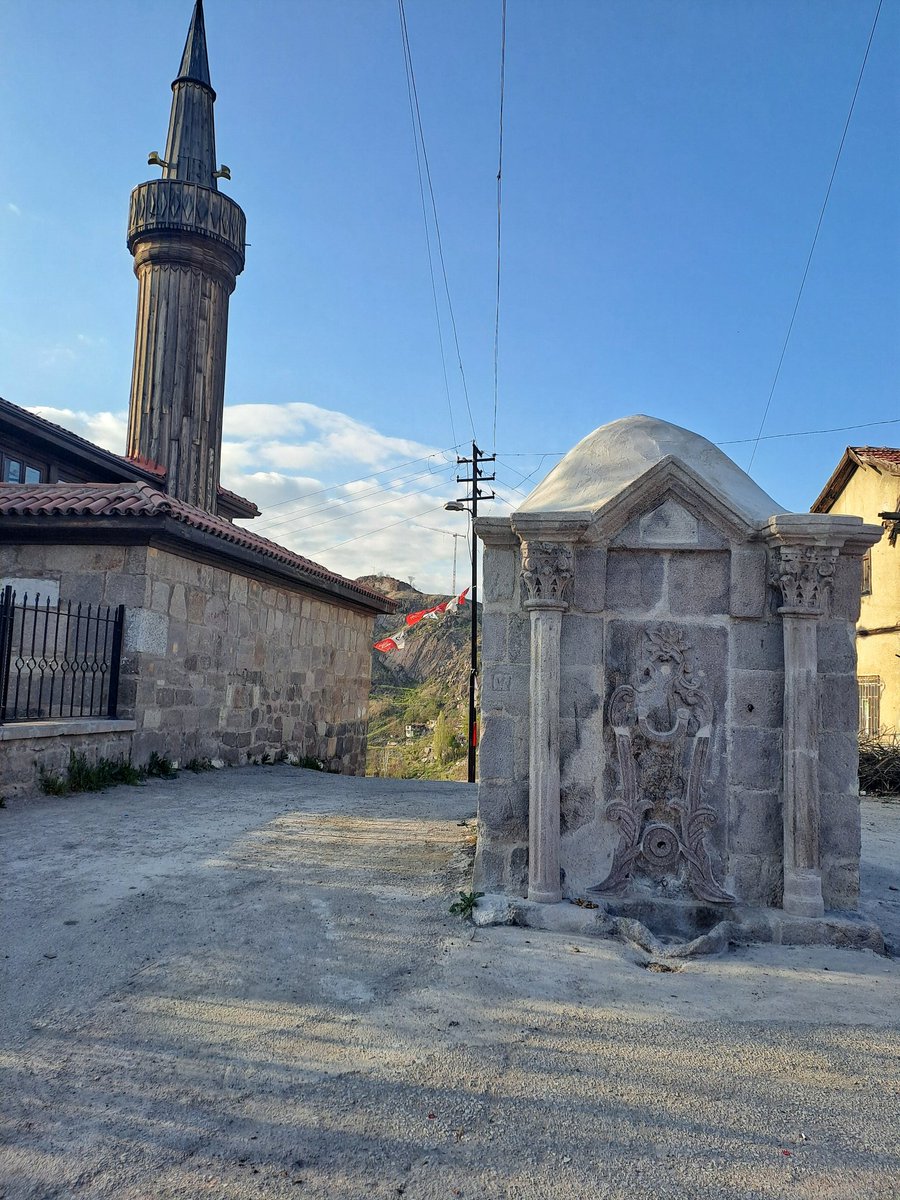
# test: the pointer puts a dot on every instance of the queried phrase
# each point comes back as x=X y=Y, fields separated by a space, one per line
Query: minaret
x=187 y=239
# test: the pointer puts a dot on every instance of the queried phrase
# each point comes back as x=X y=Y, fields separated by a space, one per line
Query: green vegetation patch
x=81 y=775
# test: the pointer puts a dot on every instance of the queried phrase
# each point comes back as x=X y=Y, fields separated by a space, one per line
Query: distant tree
x=442 y=744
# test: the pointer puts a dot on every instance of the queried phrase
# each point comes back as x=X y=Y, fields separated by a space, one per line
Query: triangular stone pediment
x=671 y=525
x=669 y=506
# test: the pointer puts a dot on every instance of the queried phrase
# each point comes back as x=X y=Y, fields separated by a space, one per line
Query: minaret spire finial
x=191 y=144
x=194 y=61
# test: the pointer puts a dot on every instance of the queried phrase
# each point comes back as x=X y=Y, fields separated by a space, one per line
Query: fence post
x=6 y=630
x=116 y=655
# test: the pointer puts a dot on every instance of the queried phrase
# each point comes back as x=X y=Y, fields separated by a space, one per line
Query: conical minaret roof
x=194 y=61
x=191 y=144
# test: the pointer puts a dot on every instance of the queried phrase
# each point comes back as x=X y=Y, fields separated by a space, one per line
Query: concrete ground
x=247 y=984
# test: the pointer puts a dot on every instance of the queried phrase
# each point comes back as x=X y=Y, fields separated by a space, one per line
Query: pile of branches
x=879 y=765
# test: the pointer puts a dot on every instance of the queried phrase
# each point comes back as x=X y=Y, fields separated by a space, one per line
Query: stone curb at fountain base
x=742 y=927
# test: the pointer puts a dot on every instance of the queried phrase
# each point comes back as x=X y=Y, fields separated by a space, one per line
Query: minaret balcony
x=175 y=206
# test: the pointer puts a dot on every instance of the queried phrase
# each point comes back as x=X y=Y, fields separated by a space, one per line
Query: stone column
x=547 y=571
x=803 y=573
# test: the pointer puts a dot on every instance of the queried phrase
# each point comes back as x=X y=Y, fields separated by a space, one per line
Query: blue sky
x=664 y=168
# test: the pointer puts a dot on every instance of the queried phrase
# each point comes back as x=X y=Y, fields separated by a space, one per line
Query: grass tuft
x=82 y=775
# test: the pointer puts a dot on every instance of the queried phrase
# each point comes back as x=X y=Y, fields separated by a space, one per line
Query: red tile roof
x=141 y=500
x=127 y=467
x=236 y=499
x=146 y=464
x=881 y=453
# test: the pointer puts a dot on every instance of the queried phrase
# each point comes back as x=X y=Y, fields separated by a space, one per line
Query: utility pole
x=470 y=502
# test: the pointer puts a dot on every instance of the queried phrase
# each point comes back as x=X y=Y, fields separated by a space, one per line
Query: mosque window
x=14 y=469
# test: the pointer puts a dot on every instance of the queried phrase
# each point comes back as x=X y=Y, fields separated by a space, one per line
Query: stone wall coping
x=496 y=531
x=847 y=533
x=552 y=527
x=73 y=726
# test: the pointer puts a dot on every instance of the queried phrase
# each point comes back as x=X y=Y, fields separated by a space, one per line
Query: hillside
x=425 y=683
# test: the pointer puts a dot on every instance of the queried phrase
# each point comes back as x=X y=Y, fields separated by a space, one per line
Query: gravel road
x=246 y=984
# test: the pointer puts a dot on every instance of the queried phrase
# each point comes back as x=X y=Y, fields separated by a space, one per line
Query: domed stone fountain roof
x=615 y=456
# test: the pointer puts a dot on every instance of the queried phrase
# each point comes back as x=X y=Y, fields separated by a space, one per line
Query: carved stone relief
x=662 y=724
x=804 y=575
x=547 y=571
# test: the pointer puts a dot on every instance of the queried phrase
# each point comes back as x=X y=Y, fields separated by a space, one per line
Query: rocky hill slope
x=417 y=685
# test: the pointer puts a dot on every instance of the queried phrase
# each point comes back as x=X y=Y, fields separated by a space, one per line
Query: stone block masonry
x=28 y=749
x=216 y=664
x=668 y=697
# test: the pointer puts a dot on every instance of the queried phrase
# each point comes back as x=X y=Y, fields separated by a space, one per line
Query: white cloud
x=106 y=429
x=361 y=508
x=299 y=434
x=70 y=350
x=358 y=513
x=57 y=354
x=14 y=209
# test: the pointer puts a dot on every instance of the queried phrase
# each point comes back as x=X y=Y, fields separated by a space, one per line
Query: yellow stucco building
x=866 y=483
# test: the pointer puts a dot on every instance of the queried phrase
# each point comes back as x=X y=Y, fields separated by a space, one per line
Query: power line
x=289 y=518
x=384 y=471
x=295 y=522
x=810 y=432
x=768 y=437
x=372 y=532
x=531 y=474
x=445 y=532
x=437 y=228
x=368 y=508
x=514 y=487
x=407 y=63
x=815 y=239
x=561 y=453
x=499 y=210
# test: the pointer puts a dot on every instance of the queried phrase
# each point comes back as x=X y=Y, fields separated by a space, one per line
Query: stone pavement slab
x=247 y=984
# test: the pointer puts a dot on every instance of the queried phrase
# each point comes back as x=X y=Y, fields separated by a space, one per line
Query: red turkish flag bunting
x=396 y=641
x=438 y=610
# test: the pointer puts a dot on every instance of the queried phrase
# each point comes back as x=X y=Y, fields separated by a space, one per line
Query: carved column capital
x=804 y=575
x=804 y=548
x=548 y=569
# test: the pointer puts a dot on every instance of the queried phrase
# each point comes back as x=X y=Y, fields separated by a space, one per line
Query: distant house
x=866 y=483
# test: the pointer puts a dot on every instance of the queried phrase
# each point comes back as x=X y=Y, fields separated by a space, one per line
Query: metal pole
x=473 y=673
x=7 y=614
x=115 y=662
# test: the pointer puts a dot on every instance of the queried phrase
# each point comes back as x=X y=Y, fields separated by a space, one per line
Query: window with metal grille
x=867 y=573
x=870 y=704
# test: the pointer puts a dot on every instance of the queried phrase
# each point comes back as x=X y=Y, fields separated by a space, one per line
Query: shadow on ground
x=248 y=985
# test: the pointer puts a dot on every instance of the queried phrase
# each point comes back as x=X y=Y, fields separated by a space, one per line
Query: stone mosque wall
x=216 y=664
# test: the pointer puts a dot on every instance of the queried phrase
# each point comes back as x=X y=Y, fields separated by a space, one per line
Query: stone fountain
x=669 y=698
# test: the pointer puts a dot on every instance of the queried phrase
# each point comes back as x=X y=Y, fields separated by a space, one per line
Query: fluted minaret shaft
x=187 y=239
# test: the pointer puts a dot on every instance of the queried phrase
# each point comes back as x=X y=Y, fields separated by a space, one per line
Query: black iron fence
x=58 y=660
